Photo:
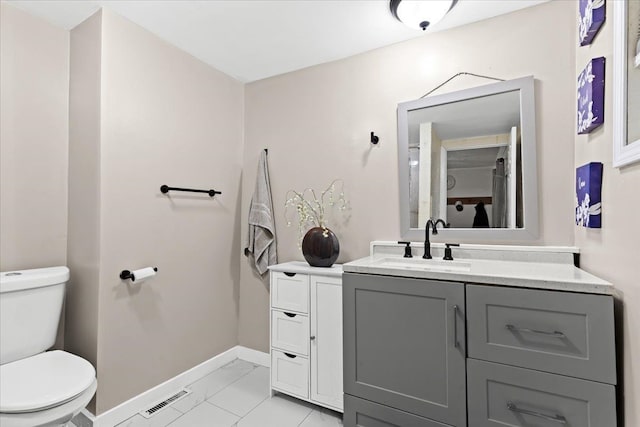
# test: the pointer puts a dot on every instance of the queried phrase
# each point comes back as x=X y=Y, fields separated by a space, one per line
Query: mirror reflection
x=465 y=162
x=469 y=157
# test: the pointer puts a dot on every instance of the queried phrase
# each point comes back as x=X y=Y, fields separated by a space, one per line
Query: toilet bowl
x=38 y=387
x=45 y=390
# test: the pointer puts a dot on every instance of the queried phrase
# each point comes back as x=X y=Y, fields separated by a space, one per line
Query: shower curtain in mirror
x=499 y=196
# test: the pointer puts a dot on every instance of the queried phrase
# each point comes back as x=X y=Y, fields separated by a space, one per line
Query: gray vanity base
x=536 y=398
x=559 y=332
x=364 y=413
x=535 y=357
x=400 y=346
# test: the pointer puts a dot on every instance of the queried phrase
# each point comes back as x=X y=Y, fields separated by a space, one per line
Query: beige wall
x=316 y=124
x=167 y=118
x=34 y=101
x=142 y=113
x=83 y=249
x=612 y=252
x=145 y=114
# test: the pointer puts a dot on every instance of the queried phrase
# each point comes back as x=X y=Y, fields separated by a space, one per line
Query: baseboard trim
x=254 y=356
x=137 y=403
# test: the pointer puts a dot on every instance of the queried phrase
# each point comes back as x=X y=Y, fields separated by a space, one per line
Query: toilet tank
x=30 y=308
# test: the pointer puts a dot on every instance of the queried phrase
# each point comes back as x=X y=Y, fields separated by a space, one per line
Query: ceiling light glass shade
x=420 y=14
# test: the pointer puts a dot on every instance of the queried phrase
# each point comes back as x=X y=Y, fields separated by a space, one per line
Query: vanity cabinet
x=504 y=395
x=404 y=351
x=422 y=352
x=306 y=333
x=366 y=413
x=543 y=358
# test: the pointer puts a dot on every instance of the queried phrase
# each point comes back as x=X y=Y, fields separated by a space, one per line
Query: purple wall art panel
x=591 y=96
x=592 y=16
x=588 y=195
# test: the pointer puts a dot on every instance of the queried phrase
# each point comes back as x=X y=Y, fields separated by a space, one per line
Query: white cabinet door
x=326 y=341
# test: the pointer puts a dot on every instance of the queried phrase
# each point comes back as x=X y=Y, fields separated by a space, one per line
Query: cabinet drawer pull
x=455 y=327
x=554 y=334
x=290 y=314
x=290 y=356
x=313 y=337
x=289 y=274
x=555 y=418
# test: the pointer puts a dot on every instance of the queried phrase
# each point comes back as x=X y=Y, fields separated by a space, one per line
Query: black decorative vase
x=320 y=247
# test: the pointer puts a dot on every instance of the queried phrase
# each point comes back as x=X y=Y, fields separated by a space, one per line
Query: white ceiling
x=254 y=39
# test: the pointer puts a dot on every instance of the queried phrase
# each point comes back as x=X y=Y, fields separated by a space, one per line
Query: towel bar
x=165 y=189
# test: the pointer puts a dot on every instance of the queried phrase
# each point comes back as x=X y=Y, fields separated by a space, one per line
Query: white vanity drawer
x=561 y=332
x=290 y=332
x=290 y=292
x=500 y=395
x=290 y=373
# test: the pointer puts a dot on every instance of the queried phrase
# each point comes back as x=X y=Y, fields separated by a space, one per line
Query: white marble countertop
x=486 y=267
x=301 y=267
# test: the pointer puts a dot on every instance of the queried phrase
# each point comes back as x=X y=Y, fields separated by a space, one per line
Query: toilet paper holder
x=128 y=274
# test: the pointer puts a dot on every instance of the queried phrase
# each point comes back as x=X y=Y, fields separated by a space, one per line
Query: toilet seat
x=57 y=416
x=43 y=381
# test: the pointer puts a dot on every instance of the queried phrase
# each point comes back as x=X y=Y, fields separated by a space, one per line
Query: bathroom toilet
x=38 y=387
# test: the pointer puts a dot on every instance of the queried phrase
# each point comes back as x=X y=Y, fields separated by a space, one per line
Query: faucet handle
x=407 y=249
x=447 y=251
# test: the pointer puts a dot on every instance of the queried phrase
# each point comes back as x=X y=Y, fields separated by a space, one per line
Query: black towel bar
x=165 y=189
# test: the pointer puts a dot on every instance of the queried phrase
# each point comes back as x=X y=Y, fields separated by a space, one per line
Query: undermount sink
x=425 y=264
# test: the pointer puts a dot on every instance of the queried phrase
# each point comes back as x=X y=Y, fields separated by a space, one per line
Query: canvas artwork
x=591 y=96
x=588 y=195
x=592 y=16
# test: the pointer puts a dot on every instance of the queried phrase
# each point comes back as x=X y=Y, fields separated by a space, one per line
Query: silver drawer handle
x=555 y=418
x=554 y=334
x=456 y=344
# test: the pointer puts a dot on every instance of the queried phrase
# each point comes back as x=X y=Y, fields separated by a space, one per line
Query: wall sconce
x=420 y=13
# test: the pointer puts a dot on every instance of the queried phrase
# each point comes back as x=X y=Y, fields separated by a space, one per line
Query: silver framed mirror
x=484 y=140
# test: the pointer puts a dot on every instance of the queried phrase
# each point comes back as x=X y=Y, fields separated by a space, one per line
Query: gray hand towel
x=262 y=229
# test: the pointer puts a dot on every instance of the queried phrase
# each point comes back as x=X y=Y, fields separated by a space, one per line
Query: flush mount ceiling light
x=420 y=13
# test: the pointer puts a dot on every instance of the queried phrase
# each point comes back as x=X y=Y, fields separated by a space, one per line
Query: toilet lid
x=42 y=381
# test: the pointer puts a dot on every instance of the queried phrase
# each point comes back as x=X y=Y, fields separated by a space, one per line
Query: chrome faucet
x=434 y=230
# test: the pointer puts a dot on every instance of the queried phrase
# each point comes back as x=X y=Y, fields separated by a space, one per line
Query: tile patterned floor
x=237 y=394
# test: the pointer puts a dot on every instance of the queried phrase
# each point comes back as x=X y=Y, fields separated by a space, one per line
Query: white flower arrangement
x=311 y=211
